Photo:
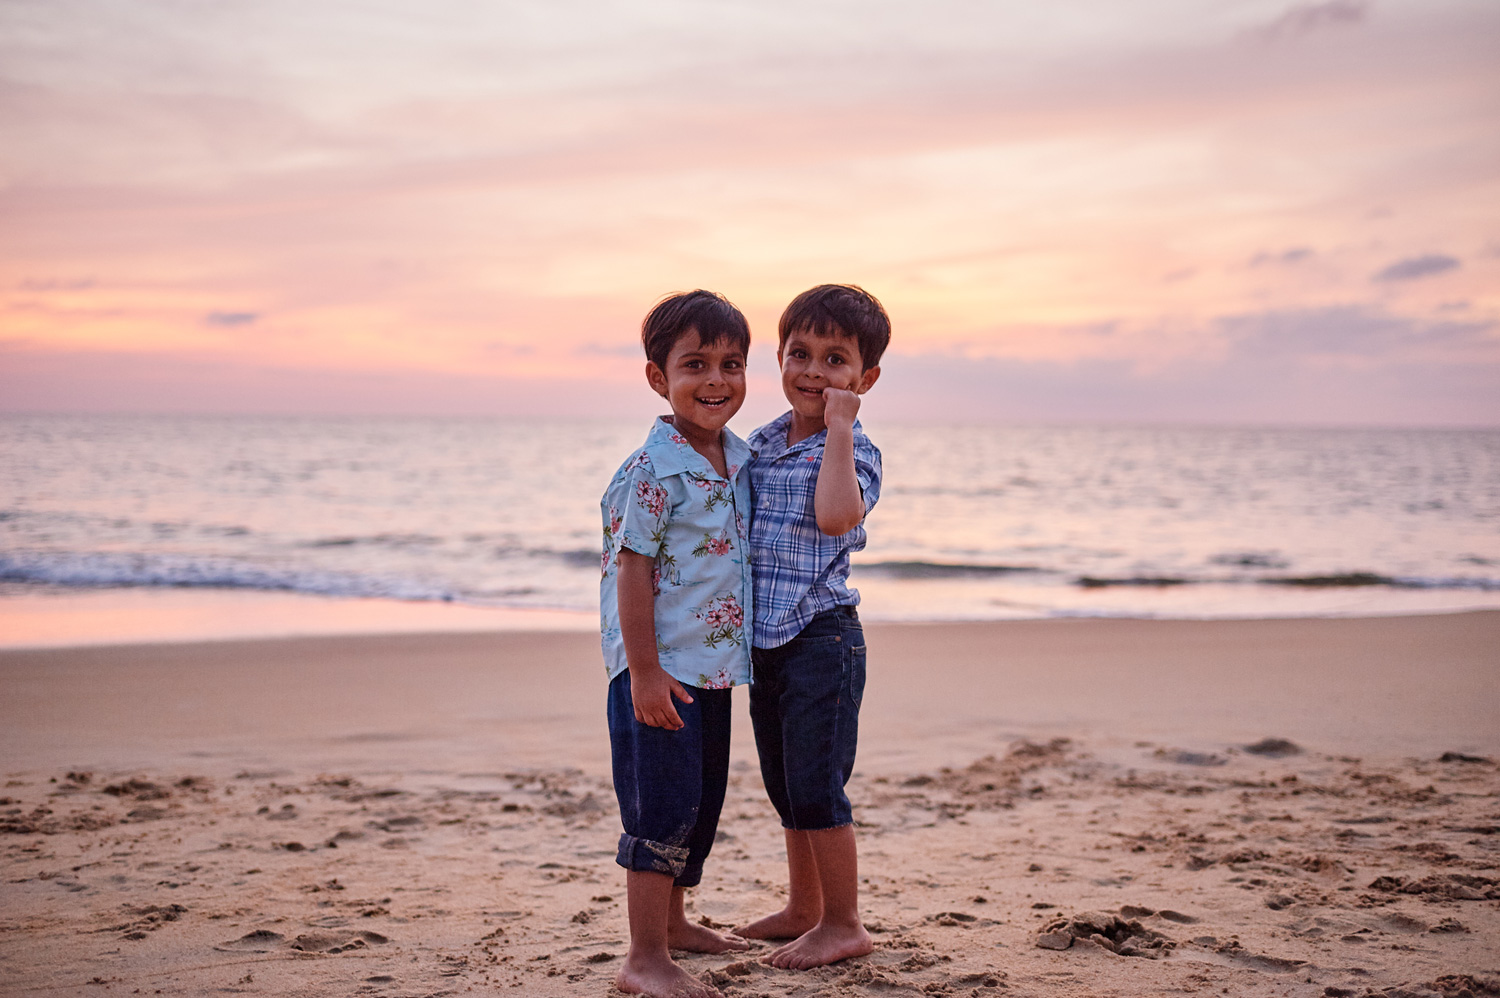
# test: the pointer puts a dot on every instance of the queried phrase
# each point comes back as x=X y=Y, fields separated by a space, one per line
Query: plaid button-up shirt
x=798 y=570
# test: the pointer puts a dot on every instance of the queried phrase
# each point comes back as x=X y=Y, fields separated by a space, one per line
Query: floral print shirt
x=668 y=503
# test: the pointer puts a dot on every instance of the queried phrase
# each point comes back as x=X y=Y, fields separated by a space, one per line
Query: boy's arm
x=838 y=503
x=651 y=689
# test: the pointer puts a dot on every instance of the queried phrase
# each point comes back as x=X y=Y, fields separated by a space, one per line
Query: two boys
x=679 y=544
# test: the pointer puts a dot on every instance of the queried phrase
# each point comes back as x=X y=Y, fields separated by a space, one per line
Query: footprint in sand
x=266 y=941
x=1274 y=748
x=259 y=941
x=1108 y=931
x=1183 y=757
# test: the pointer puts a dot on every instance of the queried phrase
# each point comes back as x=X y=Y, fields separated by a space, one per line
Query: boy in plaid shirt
x=815 y=475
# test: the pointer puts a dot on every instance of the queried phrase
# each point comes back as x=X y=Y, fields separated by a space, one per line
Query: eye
x=836 y=358
x=799 y=353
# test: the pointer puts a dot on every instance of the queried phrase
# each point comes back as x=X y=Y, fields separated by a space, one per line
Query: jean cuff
x=646 y=856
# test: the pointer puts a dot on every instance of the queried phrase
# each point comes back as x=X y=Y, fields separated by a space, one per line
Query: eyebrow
x=808 y=336
x=699 y=354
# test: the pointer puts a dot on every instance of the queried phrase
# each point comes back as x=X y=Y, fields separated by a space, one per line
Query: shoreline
x=39 y=617
x=65 y=617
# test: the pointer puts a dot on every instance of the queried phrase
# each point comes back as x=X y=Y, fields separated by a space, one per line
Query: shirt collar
x=770 y=440
x=671 y=454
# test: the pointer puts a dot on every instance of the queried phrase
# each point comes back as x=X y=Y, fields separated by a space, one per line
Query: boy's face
x=811 y=363
x=704 y=384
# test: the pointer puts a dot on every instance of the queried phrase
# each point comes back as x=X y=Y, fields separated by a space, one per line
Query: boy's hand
x=651 y=692
x=839 y=407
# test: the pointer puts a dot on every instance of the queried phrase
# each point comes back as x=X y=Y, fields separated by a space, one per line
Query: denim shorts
x=804 y=706
x=670 y=784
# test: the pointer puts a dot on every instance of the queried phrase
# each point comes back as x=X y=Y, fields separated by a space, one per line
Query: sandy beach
x=1051 y=808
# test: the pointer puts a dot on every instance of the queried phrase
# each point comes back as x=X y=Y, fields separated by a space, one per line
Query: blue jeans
x=670 y=784
x=804 y=706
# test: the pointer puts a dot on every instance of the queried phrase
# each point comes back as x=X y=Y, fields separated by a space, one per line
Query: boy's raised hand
x=651 y=693
x=839 y=407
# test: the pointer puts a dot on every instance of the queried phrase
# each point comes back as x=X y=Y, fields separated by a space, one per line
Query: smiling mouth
x=713 y=402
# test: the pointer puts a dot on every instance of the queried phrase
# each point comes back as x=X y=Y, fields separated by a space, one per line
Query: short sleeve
x=640 y=502
x=868 y=470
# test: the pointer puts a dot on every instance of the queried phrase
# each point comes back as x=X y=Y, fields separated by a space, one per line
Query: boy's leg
x=648 y=967
x=693 y=937
x=839 y=934
x=656 y=782
x=804 y=897
x=715 y=708
x=825 y=679
x=804 y=902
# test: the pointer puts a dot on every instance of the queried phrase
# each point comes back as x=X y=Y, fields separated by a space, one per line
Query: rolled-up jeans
x=670 y=784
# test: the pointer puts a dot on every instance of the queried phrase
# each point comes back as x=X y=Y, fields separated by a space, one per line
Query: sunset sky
x=1162 y=210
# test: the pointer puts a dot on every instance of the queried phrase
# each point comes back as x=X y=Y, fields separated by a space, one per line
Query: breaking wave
x=113 y=570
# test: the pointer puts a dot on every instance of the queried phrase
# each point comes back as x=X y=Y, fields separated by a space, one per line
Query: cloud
x=404 y=188
x=90 y=107
x=1245 y=389
x=1352 y=331
x=1295 y=255
x=57 y=284
x=1345 y=365
x=39 y=379
x=230 y=319
x=624 y=348
x=502 y=348
x=1414 y=267
x=1303 y=18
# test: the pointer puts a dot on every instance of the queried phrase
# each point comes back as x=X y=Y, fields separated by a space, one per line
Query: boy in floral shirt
x=815 y=476
x=673 y=603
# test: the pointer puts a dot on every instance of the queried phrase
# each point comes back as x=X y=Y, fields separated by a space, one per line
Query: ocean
x=975 y=522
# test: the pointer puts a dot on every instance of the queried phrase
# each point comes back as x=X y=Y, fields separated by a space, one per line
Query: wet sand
x=431 y=814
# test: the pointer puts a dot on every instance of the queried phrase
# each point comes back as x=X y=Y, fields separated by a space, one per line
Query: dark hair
x=712 y=315
x=840 y=310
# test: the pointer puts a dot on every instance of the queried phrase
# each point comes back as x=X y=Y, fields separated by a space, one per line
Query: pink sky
x=1168 y=210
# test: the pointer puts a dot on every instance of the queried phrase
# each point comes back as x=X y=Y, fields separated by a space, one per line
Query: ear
x=867 y=380
x=656 y=378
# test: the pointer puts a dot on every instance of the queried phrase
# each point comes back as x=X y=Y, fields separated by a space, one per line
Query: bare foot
x=823 y=944
x=696 y=938
x=785 y=924
x=661 y=979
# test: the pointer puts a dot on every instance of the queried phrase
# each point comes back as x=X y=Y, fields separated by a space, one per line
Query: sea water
x=974 y=521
